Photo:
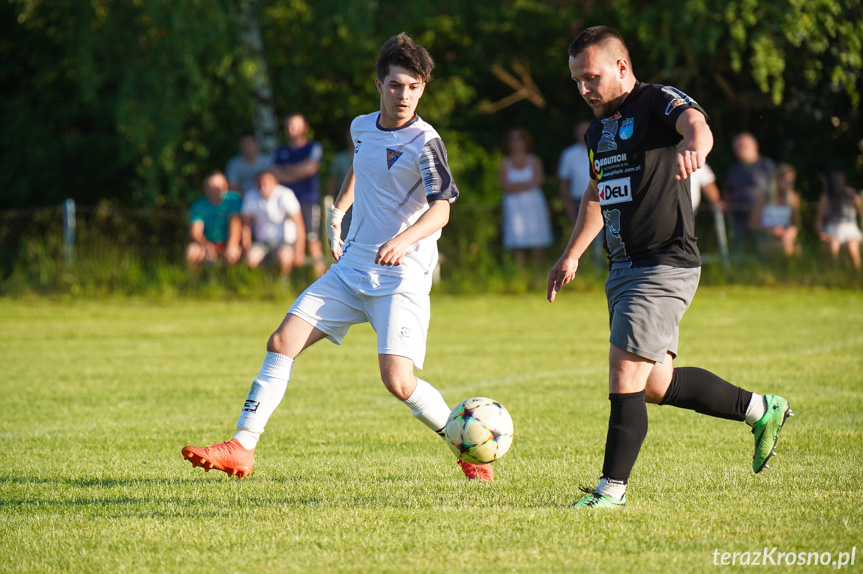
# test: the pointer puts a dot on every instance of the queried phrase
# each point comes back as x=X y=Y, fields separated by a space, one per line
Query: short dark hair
x=597 y=35
x=400 y=50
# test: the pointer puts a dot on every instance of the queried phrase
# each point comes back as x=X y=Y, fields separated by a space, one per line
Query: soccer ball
x=479 y=430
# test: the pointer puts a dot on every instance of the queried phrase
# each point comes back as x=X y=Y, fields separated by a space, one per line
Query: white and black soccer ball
x=479 y=430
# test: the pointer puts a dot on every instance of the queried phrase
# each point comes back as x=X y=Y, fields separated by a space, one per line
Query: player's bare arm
x=233 y=249
x=343 y=202
x=697 y=142
x=393 y=251
x=587 y=226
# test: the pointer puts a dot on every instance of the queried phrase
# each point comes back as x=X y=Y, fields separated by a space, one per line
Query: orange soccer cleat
x=482 y=472
x=229 y=457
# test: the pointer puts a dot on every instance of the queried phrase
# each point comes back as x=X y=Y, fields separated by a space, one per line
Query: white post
x=721 y=235
x=69 y=230
x=266 y=123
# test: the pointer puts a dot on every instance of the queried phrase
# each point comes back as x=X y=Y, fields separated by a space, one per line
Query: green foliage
x=117 y=100
x=133 y=101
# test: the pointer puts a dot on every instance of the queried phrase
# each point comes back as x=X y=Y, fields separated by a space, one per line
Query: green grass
x=99 y=398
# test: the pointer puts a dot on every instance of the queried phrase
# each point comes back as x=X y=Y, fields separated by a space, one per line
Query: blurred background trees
x=132 y=101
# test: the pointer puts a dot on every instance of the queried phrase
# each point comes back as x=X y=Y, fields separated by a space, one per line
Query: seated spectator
x=214 y=229
x=775 y=218
x=243 y=169
x=274 y=215
x=838 y=213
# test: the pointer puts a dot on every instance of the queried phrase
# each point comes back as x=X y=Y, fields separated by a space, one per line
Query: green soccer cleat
x=766 y=430
x=596 y=500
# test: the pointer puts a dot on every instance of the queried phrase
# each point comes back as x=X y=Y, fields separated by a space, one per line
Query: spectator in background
x=297 y=165
x=526 y=224
x=837 y=218
x=775 y=218
x=274 y=215
x=339 y=166
x=243 y=169
x=702 y=183
x=573 y=172
x=214 y=228
x=748 y=180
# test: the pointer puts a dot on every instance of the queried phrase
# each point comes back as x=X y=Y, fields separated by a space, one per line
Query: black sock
x=702 y=391
x=627 y=427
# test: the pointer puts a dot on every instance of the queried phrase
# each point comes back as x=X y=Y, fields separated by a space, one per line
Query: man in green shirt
x=215 y=227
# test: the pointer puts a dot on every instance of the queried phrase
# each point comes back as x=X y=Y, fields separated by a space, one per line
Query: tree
x=132 y=102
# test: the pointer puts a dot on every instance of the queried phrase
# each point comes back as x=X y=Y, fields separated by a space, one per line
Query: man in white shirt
x=273 y=213
x=401 y=190
x=702 y=183
x=573 y=172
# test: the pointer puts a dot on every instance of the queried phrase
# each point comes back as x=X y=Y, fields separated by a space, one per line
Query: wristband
x=334 y=221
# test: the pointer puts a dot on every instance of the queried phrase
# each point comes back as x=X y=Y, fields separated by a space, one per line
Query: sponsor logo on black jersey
x=614 y=191
x=609 y=131
x=613 y=237
x=678 y=98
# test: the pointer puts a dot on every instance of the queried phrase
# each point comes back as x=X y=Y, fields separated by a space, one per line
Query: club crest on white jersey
x=614 y=191
x=392 y=157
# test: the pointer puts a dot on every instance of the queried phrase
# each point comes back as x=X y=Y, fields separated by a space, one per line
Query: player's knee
x=400 y=386
x=654 y=396
x=277 y=342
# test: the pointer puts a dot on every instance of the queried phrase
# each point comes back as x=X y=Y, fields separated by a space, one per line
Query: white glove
x=334 y=230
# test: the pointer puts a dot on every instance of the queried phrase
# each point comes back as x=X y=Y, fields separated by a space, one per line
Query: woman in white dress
x=526 y=222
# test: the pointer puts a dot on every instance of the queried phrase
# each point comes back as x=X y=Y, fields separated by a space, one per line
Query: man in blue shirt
x=748 y=180
x=297 y=166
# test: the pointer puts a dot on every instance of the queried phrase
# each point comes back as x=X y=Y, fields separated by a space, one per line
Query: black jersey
x=633 y=155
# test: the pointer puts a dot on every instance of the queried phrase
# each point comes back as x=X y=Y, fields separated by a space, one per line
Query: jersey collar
x=378 y=125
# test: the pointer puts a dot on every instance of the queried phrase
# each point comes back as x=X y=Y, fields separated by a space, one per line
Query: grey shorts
x=312 y=220
x=645 y=306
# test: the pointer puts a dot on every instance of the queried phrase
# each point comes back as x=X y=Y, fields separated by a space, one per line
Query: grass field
x=99 y=398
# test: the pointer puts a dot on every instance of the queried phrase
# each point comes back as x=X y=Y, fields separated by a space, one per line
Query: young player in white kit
x=401 y=190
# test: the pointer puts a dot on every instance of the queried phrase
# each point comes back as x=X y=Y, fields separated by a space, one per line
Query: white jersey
x=398 y=172
x=271 y=217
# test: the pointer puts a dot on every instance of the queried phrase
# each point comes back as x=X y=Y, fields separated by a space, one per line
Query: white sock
x=756 y=409
x=247 y=439
x=428 y=406
x=613 y=488
x=264 y=396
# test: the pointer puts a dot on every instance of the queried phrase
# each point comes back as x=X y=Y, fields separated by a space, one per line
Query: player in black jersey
x=644 y=142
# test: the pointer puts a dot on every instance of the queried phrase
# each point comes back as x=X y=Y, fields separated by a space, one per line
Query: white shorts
x=397 y=310
x=844 y=232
